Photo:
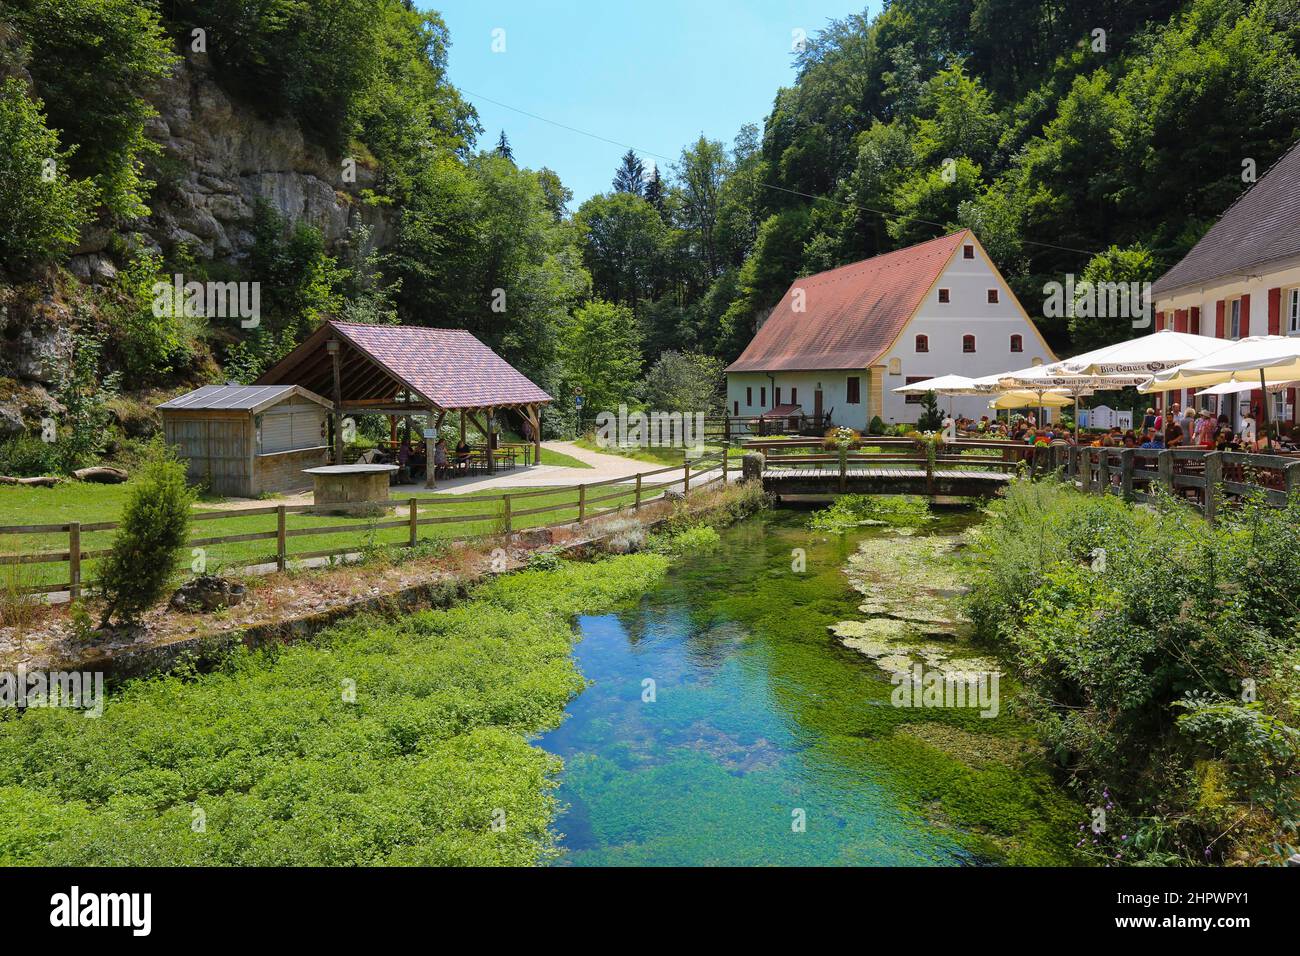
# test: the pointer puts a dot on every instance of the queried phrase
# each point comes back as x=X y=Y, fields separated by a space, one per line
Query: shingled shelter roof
x=851 y=315
x=446 y=368
x=1262 y=226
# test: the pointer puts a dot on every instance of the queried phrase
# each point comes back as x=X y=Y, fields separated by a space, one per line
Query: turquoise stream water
x=760 y=721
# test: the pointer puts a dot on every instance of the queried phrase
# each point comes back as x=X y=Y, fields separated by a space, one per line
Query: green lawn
x=663 y=457
x=551 y=457
x=89 y=504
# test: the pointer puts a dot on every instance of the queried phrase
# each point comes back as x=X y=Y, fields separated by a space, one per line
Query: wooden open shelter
x=402 y=371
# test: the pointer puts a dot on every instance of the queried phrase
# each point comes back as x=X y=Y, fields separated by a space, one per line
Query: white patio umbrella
x=1146 y=355
x=944 y=385
x=1273 y=358
x=1045 y=379
x=1236 y=388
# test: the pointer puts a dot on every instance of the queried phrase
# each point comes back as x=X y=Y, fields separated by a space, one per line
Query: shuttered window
x=290 y=427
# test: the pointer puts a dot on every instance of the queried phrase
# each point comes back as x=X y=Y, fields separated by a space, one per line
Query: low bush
x=1159 y=656
x=152 y=531
x=27 y=456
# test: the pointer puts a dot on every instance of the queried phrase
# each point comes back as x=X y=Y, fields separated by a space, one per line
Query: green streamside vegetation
x=381 y=742
x=1160 y=657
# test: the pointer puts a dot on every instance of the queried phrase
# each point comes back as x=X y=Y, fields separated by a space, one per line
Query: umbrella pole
x=1076 y=419
x=1263 y=411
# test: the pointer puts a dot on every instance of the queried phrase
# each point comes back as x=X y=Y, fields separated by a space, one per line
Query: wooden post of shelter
x=491 y=435
x=430 y=469
x=332 y=347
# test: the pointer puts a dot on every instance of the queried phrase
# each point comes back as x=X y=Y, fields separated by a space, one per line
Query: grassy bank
x=380 y=741
x=1161 y=662
x=430 y=764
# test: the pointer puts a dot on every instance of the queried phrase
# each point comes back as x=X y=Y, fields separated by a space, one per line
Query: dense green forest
x=1088 y=136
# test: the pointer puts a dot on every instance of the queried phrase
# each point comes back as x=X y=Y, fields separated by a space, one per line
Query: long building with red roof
x=839 y=341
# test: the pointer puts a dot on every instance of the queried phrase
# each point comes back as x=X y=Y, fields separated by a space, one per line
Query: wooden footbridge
x=793 y=468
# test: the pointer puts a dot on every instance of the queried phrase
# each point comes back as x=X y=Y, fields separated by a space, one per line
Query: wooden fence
x=502 y=511
x=1190 y=473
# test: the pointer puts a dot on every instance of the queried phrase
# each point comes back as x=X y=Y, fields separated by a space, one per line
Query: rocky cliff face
x=219 y=160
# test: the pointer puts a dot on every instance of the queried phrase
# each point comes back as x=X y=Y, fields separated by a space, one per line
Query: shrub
x=26 y=455
x=1157 y=654
x=877 y=426
x=154 y=526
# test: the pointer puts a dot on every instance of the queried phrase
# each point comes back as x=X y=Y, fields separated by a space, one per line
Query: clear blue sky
x=650 y=75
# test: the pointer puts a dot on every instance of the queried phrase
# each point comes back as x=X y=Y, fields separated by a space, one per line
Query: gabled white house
x=838 y=342
x=1242 y=278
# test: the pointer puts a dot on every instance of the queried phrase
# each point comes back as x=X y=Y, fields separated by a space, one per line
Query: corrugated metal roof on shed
x=245 y=398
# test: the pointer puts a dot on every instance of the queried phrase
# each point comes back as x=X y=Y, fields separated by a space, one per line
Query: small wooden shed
x=248 y=440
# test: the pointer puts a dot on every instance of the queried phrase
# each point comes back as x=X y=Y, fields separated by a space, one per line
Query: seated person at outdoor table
x=1174 y=436
x=404 y=461
x=462 y=453
x=1153 y=439
x=440 y=457
x=1224 y=441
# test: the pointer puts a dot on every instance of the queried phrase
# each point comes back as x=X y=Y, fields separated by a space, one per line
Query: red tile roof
x=851 y=314
x=448 y=367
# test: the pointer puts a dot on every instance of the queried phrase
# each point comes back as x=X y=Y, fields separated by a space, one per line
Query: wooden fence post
x=1126 y=459
x=415 y=528
x=1165 y=465
x=74 y=561
x=1291 y=479
x=686 y=477
x=724 y=465
x=505 y=512
x=844 y=469
x=1213 y=476
x=582 y=503
x=281 y=539
x=637 y=505
x=1103 y=471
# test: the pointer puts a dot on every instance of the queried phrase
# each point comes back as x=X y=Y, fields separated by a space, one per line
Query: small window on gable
x=762 y=395
x=945 y=296
x=968 y=251
x=776 y=400
x=1017 y=343
x=749 y=395
x=993 y=296
x=735 y=408
x=854 y=390
x=895 y=366
x=923 y=343
x=968 y=343
x=794 y=396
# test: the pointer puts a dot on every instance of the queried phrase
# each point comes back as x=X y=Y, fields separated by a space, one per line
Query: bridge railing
x=899 y=452
x=1189 y=473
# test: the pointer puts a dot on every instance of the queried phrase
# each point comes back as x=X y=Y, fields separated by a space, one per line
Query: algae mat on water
x=724 y=723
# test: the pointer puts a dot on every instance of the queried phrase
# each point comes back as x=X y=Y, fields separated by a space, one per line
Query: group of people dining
x=412 y=460
x=1177 y=428
x=1188 y=428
